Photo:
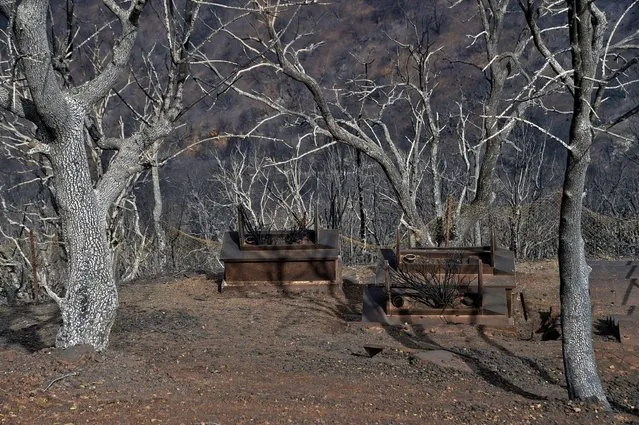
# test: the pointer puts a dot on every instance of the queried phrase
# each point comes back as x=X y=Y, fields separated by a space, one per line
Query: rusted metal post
x=509 y=302
x=316 y=226
x=397 y=244
x=523 y=306
x=240 y=225
x=35 y=287
x=480 y=285
x=388 y=287
x=493 y=247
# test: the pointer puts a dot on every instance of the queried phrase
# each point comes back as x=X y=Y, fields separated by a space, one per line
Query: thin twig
x=59 y=379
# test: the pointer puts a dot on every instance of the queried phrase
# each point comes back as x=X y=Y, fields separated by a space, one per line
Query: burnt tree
x=592 y=74
x=40 y=91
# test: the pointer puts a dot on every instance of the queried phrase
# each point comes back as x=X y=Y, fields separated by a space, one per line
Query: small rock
x=75 y=354
x=11 y=356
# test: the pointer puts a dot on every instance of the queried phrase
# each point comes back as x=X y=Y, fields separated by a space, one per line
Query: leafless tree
x=242 y=179
x=600 y=60
x=40 y=88
x=527 y=182
x=507 y=100
x=358 y=114
x=30 y=253
x=612 y=183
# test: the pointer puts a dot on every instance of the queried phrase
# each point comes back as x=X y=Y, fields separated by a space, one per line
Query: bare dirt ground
x=182 y=353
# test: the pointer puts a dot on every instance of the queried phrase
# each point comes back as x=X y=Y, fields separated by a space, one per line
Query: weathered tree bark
x=88 y=307
x=158 y=228
x=587 y=82
x=582 y=377
x=586 y=26
x=60 y=112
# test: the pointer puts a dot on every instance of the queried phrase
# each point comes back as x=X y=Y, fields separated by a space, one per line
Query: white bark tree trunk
x=42 y=93
x=89 y=305
x=586 y=81
x=582 y=377
x=580 y=366
x=586 y=27
x=160 y=234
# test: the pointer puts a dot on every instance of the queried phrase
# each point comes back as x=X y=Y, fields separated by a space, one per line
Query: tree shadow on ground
x=347 y=306
x=344 y=304
x=22 y=326
x=352 y=291
x=618 y=407
x=474 y=361
x=422 y=341
x=541 y=371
